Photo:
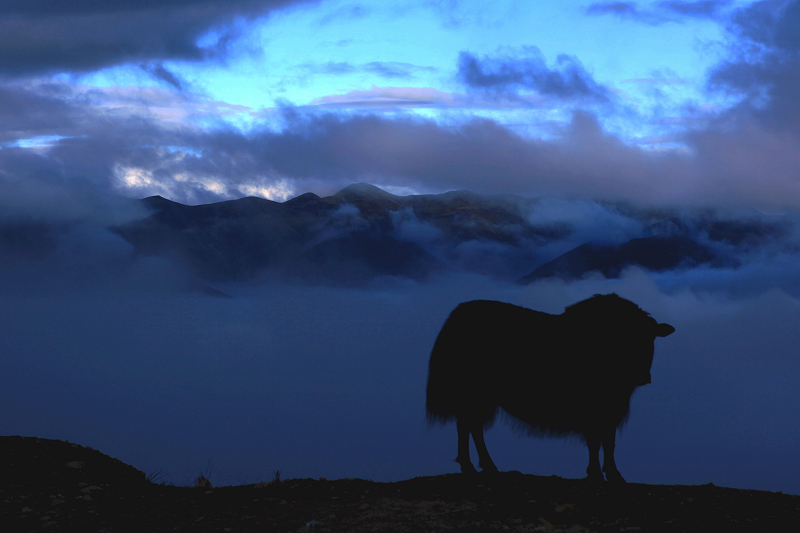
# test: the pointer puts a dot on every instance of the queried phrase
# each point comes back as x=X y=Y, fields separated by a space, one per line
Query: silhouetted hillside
x=652 y=253
x=50 y=485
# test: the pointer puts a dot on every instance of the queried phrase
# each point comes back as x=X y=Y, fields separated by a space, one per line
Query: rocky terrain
x=56 y=486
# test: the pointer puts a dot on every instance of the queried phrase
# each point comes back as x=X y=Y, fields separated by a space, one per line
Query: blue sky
x=404 y=58
x=310 y=55
x=673 y=101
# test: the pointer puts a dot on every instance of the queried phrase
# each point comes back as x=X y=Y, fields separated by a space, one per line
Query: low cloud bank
x=92 y=239
x=134 y=356
x=317 y=381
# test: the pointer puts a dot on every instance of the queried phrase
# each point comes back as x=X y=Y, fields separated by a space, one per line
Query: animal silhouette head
x=620 y=332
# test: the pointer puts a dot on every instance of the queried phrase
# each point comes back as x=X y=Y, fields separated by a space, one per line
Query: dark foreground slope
x=56 y=486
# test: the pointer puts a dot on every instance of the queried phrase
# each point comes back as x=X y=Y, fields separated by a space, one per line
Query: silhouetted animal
x=567 y=374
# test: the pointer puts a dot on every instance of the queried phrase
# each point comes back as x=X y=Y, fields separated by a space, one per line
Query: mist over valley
x=248 y=336
x=363 y=233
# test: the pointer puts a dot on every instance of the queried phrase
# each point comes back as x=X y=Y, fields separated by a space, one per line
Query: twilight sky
x=671 y=101
x=680 y=103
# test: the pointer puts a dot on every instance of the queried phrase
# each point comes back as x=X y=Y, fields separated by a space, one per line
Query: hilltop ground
x=56 y=486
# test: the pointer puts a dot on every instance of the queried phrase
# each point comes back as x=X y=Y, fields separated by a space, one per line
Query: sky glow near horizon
x=679 y=103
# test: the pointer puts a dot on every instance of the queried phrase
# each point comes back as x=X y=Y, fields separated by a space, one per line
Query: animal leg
x=593 y=471
x=463 y=447
x=609 y=465
x=484 y=461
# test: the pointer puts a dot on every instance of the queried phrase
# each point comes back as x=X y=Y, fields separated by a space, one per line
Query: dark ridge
x=365 y=190
x=373 y=203
x=305 y=199
x=652 y=253
x=492 y=235
x=159 y=203
x=50 y=485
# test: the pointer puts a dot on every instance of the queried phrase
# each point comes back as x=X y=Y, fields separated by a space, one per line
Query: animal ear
x=662 y=330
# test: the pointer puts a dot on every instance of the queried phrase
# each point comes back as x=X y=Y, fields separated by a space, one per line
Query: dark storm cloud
x=567 y=79
x=42 y=36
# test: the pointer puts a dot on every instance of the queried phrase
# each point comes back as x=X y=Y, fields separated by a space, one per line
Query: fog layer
x=325 y=382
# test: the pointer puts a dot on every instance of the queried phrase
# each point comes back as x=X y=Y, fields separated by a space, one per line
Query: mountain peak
x=158 y=203
x=365 y=190
x=370 y=200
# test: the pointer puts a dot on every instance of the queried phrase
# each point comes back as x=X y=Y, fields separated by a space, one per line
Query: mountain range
x=363 y=232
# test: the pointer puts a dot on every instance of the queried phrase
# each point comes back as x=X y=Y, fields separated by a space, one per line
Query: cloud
x=661 y=12
x=408 y=227
x=347 y=12
x=700 y=9
x=616 y=8
x=384 y=69
x=590 y=221
x=757 y=139
x=529 y=71
x=395 y=69
x=764 y=68
x=626 y=10
x=771 y=23
x=47 y=36
x=158 y=71
x=143 y=141
x=39 y=188
x=331 y=67
x=26 y=114
x=160 y=140
x=479 y=155
x=303 y=362
x=155 y=141
x=390 y=97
